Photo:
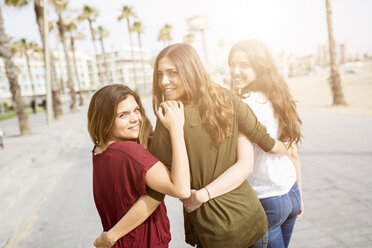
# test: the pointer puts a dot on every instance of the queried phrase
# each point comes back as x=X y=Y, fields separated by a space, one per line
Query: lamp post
x=199 y=24
x=48 y=84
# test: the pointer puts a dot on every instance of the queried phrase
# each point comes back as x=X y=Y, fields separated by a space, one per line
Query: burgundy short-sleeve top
x=118 y=181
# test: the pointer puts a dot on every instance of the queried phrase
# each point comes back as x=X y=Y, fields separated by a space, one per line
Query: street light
x=47 y=65
x=199 y=24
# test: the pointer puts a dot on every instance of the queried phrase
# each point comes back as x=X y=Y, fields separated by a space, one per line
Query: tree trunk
x=56 y=96
x=11 y=72
x=93 y=36
x=95 y=52
x=56 y=93
x=69 y=72
x=142 y=60
x=39 y=13
x=81 y=99
x=334 y=79
x=132 y=53
x=107 y=76
x=30 y=75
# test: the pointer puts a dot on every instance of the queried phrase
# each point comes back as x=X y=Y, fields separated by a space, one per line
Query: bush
x=8 y=107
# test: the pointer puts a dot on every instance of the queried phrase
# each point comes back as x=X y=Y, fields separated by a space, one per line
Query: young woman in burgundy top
x=124 y=172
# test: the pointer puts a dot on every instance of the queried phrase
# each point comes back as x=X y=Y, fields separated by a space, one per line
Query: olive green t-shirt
x=235 y=219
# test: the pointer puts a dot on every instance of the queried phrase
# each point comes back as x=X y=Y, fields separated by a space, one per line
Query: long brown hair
x=215 y=108
x=272 y=85
x=102 y=114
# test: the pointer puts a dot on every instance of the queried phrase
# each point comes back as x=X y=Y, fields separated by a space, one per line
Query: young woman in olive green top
x=231 y=215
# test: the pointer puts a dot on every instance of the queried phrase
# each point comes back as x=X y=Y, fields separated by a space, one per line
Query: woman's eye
x=245 y=66
x=173 y=73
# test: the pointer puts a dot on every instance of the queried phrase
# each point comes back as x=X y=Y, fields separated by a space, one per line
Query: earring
x=162 y=97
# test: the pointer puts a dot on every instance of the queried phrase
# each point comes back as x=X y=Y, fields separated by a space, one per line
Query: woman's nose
x=133 y=118
x=165 y=80
x=235 y=70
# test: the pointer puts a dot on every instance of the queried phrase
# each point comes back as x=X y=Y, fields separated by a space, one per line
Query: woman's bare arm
x=138 y=213
x=227 y=181
x=177 y=182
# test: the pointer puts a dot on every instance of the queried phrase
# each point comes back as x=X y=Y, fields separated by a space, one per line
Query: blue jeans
x=262 y=242
x=281 y=214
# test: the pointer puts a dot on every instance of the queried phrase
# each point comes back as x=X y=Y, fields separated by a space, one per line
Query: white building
x=81 y=79
x=38 y=74
x=24 y=81
x=323 y=54
x=122 y=69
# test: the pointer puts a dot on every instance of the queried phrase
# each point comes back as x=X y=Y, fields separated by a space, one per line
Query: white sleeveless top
x=273 y=175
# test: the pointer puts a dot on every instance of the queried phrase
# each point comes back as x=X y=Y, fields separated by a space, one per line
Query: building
x=123 y=69
x=90 y=76
x=81 y=79
x=38 y=75
x=323 y=54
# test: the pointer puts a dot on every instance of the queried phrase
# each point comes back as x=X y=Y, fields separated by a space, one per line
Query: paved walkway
x=46 y=189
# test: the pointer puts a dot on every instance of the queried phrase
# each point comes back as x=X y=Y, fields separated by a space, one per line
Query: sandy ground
x=313 y=91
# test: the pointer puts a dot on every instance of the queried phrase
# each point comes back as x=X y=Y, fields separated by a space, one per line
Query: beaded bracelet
x=209 y=195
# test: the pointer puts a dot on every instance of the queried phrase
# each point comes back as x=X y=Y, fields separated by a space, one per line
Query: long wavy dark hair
x=273 y=86
x=102 y=114
x=215 y=107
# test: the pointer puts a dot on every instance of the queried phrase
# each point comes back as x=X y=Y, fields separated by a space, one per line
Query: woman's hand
x=104 y=241
x=173 y=117
x=197 y=198
x=301 y=213
x=299 y=216
x=293 y=151
x=293 y=155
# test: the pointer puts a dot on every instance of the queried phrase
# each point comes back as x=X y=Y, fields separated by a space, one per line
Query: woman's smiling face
x=169 y=80
x=241 y=72
x=127 y=121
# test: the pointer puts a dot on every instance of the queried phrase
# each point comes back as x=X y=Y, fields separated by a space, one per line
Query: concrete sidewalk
x=336 y=166
x=33 y=172
x=46 y=191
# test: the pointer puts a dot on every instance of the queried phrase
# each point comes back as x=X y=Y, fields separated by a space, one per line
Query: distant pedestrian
x=33 y=105
x=223 y=210
x=2 y=135
x=44 y=104
x=132 y=214
x=276 y=179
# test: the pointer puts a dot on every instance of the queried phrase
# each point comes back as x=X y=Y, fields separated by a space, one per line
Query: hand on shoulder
x=171 y=115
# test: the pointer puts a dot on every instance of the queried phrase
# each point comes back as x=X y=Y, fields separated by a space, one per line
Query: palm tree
x=162 y=36
x=102 y=34
x=11 y=73
x=26 y=49
x=39 y=14
x=60 y=6
x=90 y=14
x=189 y=38
x=165 y=34
x=74 y=34
x=334 y=79
x=126 y=13
x=56 y=87
x=56 y=96
x=139 y=29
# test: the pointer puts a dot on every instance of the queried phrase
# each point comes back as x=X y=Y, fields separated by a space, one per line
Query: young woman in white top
x=276 y=179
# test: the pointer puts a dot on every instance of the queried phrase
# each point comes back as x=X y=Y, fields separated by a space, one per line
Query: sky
x=292 y=26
